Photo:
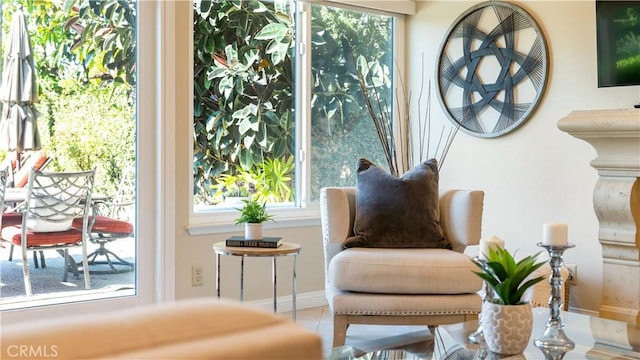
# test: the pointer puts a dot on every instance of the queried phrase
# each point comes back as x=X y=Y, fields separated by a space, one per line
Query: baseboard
x=285 y=303
x=583 y=311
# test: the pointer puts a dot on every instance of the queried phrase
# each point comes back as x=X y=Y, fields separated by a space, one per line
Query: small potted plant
x=253 y=214
x=506 y=318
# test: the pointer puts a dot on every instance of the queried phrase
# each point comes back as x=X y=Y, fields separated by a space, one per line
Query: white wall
x=537 y=174
x=534 y=175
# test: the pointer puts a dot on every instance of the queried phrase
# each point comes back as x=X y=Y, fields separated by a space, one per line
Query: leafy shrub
x=89 y=126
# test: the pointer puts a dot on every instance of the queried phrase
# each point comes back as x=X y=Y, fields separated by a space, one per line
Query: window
x=139 y=141
x=279 y=111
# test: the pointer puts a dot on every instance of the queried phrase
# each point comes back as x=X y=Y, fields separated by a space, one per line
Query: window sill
x=223 y=222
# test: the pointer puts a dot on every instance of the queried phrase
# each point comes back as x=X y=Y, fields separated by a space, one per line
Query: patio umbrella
x=18 y=92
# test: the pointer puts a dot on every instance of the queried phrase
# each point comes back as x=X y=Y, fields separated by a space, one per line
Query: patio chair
x=112 y=220
x=7 y=217
x=18 y=178
x=52 y=202
x=36 y=159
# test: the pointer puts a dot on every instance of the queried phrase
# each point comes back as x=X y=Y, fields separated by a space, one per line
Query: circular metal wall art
x=492 y=69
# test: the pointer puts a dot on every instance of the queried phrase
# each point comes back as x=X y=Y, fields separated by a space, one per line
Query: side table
x=286 y=249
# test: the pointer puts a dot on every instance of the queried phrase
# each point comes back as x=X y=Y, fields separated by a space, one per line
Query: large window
x=84 y=64
x=279 y=110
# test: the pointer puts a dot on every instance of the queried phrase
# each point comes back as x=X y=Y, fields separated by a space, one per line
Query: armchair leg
x=339 y=330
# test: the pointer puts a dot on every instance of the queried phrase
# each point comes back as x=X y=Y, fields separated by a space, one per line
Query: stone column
x=615 y=134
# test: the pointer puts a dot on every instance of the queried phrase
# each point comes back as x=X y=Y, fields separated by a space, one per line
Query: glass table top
x=595 y=339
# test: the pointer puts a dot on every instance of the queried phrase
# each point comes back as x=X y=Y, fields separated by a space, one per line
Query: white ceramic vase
x=253 y=231
x=506 y=328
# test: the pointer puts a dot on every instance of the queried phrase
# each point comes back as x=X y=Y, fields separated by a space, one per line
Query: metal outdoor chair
x=4 y=179
x=18 y=177
x=7 y=217
x=53 y=201
x=113 y=220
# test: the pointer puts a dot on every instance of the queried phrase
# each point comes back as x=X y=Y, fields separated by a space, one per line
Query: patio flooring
x=47 y=283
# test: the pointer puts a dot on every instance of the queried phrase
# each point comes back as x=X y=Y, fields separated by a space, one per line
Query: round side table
x=286 y=249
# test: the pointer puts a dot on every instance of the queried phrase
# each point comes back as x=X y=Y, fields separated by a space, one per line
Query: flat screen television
x=618 y=41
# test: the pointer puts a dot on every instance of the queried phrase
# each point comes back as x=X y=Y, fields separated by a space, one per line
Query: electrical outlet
x=196 y=275
x=573 y=273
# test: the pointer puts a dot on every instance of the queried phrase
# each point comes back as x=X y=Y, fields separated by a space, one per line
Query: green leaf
x=506 y=277
x=278 y=51
x=275 y=32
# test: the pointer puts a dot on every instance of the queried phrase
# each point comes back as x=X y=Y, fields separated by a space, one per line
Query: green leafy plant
x=240 y=185
x=506 y=277
x=269 y=181
x=253 y=212
x=275 y=180
x=243 y=76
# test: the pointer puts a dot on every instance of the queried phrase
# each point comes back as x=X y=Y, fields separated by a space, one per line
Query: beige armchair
x=400 y=286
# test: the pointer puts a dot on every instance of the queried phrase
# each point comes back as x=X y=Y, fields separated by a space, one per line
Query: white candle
x=554 y=234
x=489 y=243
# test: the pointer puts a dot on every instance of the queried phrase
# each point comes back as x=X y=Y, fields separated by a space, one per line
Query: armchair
x=414 y=286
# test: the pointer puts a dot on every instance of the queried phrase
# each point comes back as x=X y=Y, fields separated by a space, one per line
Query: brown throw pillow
x=394 y=212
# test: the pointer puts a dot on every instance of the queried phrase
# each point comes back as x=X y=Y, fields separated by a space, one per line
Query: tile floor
x=364 y=336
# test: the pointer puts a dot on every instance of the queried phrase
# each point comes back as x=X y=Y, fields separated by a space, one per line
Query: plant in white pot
x=252 y=215
x=506 y=318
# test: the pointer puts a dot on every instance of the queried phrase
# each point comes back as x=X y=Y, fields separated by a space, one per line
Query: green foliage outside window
x=243 y=81
x=244 y=95
x=342 y=130
x=84 y=53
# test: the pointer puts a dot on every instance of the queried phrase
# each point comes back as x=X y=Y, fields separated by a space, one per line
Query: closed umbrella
x=18 y=92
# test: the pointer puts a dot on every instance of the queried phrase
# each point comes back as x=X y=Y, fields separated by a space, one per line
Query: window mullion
x=303 y=103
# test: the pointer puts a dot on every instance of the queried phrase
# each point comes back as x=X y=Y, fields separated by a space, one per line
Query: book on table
x=266 y=242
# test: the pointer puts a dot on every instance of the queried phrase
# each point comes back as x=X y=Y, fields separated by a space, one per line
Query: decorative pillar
x=615 y=134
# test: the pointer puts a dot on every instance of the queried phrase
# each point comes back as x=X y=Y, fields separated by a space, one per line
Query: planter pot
x=506 y=328
x=253 y=231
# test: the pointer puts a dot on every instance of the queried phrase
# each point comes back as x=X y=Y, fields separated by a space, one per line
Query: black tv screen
x=618 y=38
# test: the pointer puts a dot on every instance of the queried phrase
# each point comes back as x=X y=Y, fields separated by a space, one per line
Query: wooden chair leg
x=339 y=330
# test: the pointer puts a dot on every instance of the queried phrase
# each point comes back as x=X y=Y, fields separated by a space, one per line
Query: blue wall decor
x=492 y=69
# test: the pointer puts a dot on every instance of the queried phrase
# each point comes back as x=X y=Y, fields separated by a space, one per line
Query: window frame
x=305 y=212
x=153 y=282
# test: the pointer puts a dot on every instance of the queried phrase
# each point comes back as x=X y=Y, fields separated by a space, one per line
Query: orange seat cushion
x=14 y=235
x=37 y=161
x=11 y=218
x=105 y=225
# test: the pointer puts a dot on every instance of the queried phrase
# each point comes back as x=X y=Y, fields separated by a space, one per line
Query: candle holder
x=477 y=336
x=554 y=344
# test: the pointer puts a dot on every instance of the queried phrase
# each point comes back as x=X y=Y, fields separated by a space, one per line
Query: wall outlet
x=573 y=273
x=196 y=275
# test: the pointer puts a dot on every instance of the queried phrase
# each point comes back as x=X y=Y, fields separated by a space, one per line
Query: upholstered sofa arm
x=461 y=217
x=205 y=328
x=338 y=213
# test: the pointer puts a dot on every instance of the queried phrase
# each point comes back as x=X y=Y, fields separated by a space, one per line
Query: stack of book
x=267 y=242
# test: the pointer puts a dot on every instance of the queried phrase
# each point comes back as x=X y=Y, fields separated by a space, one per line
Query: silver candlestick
x=477 y=336
x=554 y=344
